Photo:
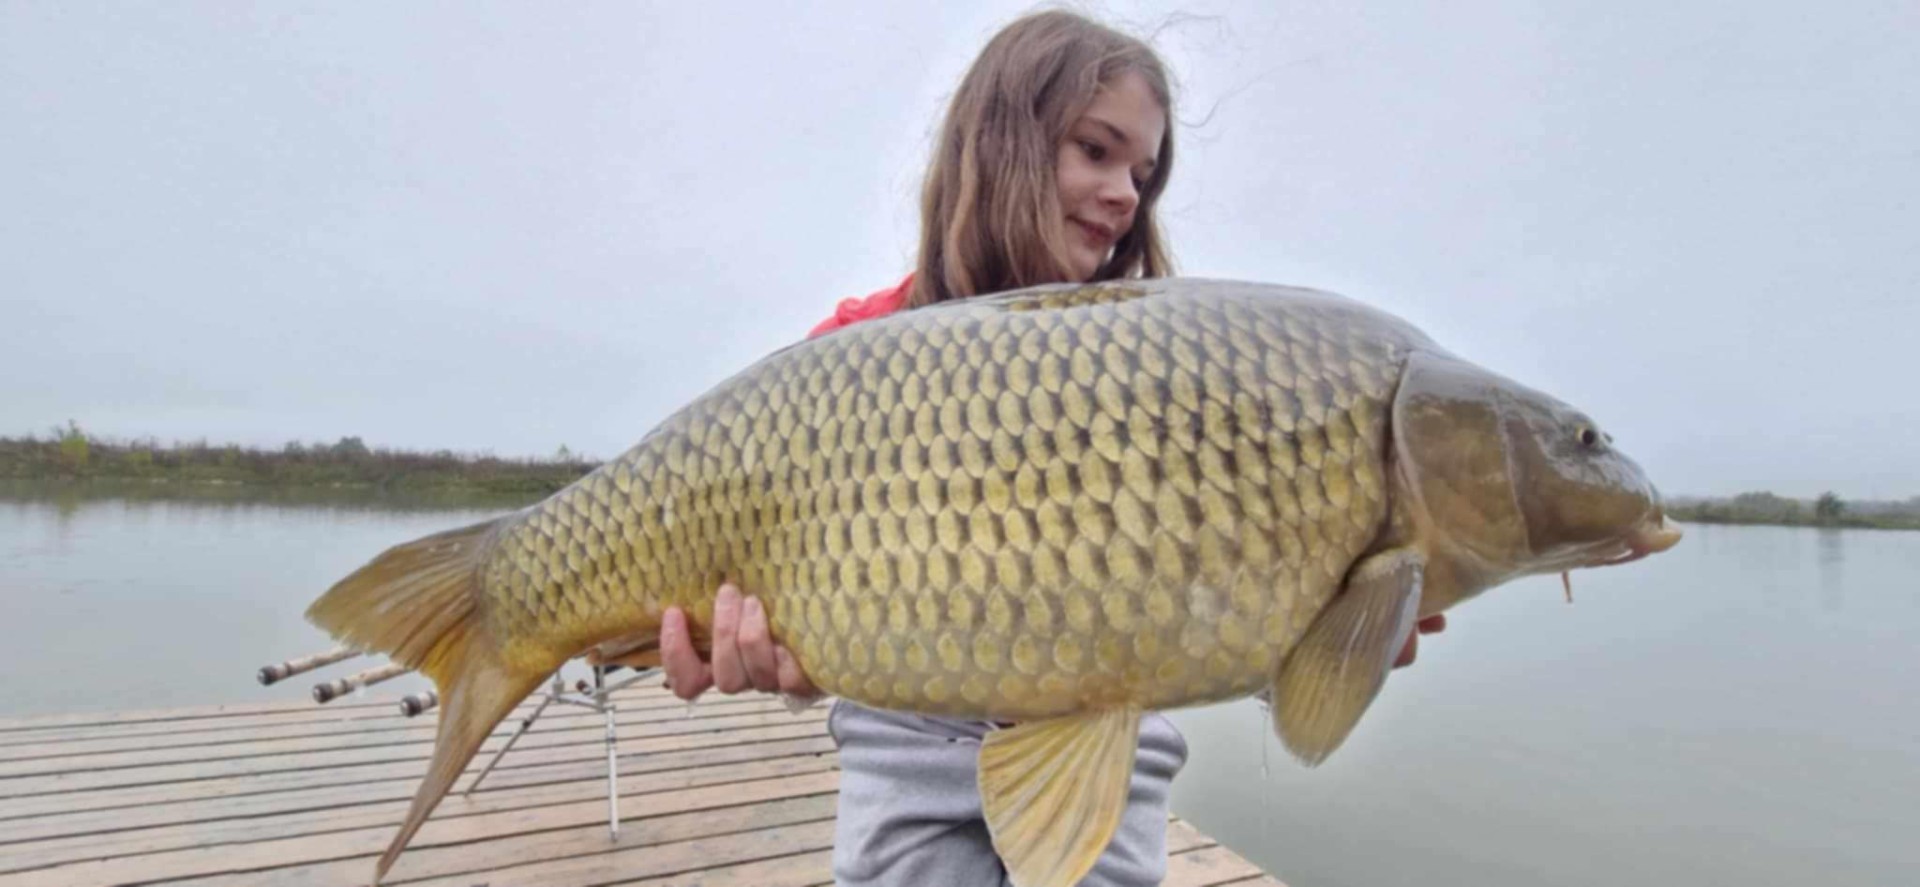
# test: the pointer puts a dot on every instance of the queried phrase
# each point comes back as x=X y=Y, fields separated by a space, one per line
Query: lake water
x=1743 y=709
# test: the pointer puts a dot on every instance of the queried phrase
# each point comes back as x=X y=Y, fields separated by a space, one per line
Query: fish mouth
x=1654 y=536
x=1651 y=536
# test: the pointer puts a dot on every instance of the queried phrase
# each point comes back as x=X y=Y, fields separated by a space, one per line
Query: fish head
x=1509 y=481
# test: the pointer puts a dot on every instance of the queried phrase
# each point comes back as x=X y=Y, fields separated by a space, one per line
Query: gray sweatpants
x=910 y=804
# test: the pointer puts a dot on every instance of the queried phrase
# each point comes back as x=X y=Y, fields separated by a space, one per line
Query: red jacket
x=876 y=304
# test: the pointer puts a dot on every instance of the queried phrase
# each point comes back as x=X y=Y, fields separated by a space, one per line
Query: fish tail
x=419 y=603
x=474 y=699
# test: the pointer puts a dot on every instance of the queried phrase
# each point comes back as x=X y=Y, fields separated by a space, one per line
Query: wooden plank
x=1182 y=837
x=800 y=870
x=301 y=708
x=143 y=751
x=679 y=858
x=47 y=807
x=1207 y=867
x=307 y=713
x=328 y=714
x=741 y=793
x=480 y=862
x=244 y=818
x=84 y=742
x=197 y=712
x=168 y=827
x=49 y=783
x=452 y=824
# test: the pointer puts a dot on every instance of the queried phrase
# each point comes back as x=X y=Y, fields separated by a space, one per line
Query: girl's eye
x=1095 y=151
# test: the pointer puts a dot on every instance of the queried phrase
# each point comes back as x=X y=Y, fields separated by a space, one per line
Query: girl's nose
x=1119 y=193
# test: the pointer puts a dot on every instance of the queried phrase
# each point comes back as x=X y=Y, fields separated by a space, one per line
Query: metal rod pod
x=419 y=703
x=331 y=690
x=280 y=671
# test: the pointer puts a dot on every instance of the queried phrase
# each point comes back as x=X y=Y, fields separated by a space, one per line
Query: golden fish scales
x=1060 y=507
x=1012 y=509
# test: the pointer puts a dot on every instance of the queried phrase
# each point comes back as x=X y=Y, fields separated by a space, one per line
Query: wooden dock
x=733 y=791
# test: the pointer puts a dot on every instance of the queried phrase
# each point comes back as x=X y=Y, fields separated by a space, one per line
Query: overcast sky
x=510 y=227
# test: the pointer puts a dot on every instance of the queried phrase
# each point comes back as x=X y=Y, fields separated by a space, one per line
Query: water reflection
x=1831 y=543
x=190 y=595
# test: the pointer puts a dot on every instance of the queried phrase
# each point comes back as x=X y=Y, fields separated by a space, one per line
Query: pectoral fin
x=1332 y=675
x=1054 y=791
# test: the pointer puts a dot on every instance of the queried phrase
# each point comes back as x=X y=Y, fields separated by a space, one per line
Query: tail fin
x=418 y=603
x=413 y=602
x=474 y=700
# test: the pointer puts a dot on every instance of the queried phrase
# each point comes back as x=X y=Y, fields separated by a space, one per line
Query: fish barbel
x=1061 y=507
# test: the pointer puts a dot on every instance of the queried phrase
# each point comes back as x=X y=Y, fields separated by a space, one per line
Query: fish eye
x=1589 y=437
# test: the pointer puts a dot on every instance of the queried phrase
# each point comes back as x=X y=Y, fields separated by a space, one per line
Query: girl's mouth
x=1096 y=235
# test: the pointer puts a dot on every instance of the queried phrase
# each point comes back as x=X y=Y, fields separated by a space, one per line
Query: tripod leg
x=613 y=764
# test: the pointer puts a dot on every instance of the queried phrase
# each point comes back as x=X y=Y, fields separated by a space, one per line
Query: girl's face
x=1107 y=155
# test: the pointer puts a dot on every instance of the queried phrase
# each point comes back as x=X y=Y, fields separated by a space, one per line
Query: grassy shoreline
x=1697 y=516
x=1767 y=509
x=347 y=467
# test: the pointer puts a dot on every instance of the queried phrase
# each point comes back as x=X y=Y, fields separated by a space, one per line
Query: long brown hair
x=990 y=196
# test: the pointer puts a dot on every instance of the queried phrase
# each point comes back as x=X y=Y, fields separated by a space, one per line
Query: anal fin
x=636 y=660
x=1332 y=675
x=1054 y=792
x=636 y=651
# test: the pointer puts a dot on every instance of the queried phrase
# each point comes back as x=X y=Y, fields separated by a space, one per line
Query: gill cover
x=1451 y=451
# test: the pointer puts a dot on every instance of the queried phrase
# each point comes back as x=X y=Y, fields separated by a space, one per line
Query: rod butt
x=331 y=690
x=280 y=671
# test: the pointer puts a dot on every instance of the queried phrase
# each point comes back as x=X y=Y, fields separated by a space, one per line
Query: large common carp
x=1060 y=507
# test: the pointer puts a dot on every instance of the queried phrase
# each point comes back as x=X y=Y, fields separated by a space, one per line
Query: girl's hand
x=744 y=654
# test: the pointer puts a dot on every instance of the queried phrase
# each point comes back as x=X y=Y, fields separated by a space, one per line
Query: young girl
x=1052 y=155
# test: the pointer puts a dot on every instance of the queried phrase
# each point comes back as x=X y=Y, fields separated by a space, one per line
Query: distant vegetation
x=1827 y=511
x=146 y=469
x=71 y=454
